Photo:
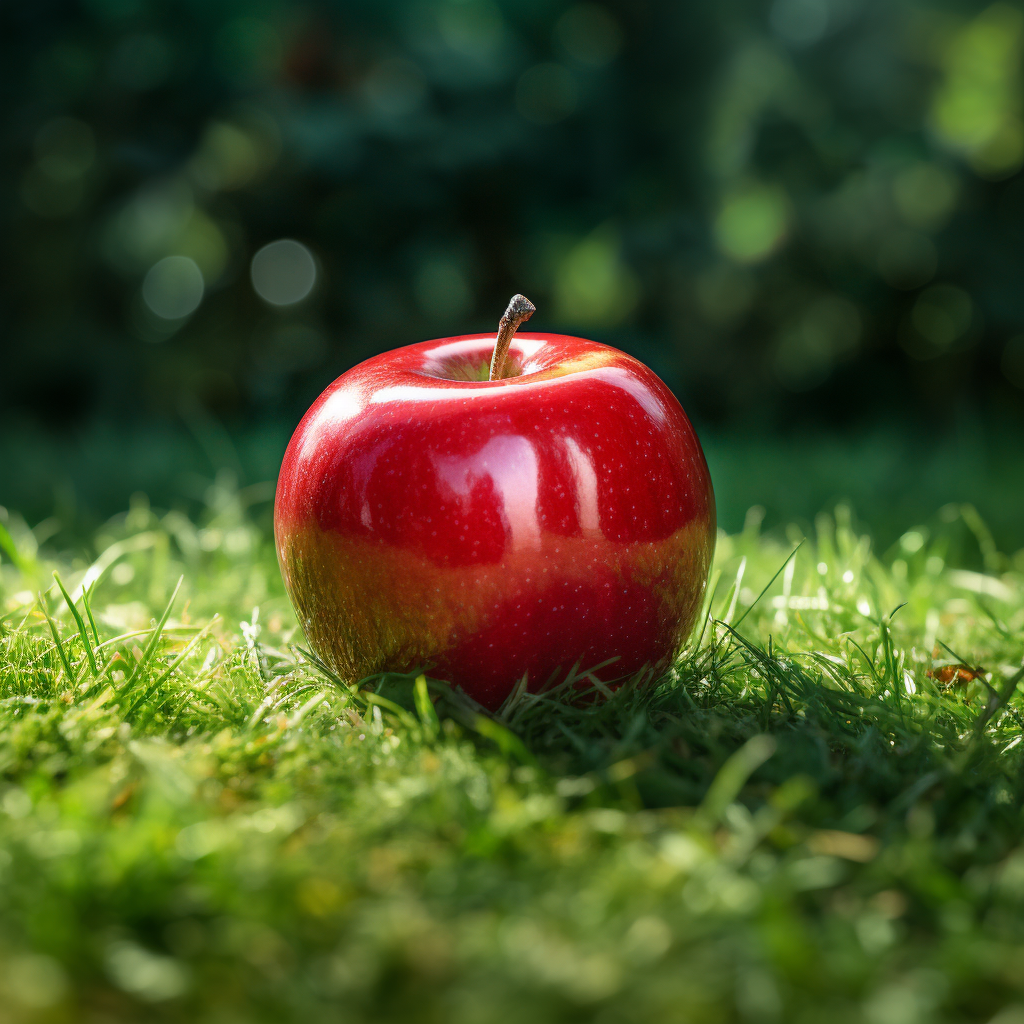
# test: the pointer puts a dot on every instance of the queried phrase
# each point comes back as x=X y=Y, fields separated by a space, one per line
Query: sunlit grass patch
x=815 y=815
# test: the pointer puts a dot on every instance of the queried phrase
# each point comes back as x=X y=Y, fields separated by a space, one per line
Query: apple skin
x=560 y=517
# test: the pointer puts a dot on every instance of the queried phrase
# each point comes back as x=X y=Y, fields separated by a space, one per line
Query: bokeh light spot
x=227 y=157
x=163 y=220
x=592 y=284
x=234 y=153
x=751 y=223
x=283 y=272
x=173 y=287
x=147 y=226
x=977 y=108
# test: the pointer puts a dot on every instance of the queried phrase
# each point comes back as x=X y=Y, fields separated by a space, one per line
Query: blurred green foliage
x=802 y=208
x=806 y=215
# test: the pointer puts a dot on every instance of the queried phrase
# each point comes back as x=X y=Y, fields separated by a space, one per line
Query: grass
x=817 y=815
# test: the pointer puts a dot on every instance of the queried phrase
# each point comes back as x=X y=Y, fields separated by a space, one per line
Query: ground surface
x=817 y=816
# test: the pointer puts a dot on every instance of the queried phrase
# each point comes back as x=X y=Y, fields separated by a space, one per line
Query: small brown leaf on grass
x=954 y=675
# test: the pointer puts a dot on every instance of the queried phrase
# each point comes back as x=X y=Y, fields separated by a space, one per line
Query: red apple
x=558 y=515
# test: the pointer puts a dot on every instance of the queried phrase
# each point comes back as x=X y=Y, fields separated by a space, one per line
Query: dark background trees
x=806 y=215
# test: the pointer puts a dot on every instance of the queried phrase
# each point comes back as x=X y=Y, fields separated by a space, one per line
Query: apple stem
x=520 y=309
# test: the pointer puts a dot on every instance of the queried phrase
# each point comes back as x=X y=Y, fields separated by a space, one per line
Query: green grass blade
x=375 y=699
x=87 y=602
x=733 y=775
x=82 y=631
x=504 y=739
x=154 y=640
x=60 y=646
x=733 y=595
x=425 y=709
x=997 y=701
x=757 y=599
x=158 y=682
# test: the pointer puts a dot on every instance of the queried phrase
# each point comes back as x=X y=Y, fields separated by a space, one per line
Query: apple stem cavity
x=520 y=309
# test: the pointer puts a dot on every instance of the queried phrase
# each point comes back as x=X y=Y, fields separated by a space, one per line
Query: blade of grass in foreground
x=65 y=661
x=82 y=631
x=155 y=685
x=150 y=649
x=764 y=591
x=87 y=602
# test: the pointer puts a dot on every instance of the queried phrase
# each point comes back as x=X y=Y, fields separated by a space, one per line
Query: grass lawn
x=817 y=816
